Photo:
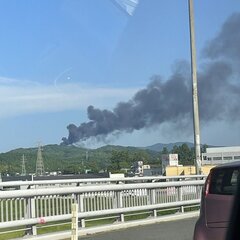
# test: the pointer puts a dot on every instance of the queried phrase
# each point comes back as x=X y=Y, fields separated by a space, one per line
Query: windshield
x=116 y=72
x=114 y=89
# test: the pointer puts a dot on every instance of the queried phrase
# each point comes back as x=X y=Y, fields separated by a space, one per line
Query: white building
x=169 y=160
x=220 y=155
x=139 y=169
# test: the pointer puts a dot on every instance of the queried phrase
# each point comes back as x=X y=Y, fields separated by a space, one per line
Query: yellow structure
x=186 y=170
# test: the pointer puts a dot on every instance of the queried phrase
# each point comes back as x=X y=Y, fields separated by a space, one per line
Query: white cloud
x=24 y=97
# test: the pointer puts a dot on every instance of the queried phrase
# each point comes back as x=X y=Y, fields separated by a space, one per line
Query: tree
x=203 y=148
x=165 y=150
x=119 y=160
x=139 y=156
x=175 y=149
x=185 y=155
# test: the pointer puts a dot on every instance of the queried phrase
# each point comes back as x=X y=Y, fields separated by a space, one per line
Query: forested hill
x=72 y=159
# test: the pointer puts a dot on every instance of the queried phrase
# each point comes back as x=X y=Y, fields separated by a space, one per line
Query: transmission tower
x=39 y=164
x=23 y=166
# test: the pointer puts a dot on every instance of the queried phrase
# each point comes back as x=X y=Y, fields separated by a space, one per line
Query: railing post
x=198 y=192
x=115 y=200
x=180 y=198
x=120 y=204
x=81 y=209
x=31 y=213
x=74 y=235
x=153 y=201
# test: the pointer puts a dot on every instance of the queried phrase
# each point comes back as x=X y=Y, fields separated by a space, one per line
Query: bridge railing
x=78 y=182
x=21 y=208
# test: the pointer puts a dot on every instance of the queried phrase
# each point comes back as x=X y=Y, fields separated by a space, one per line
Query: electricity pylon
x=39 y=164
x=23 y=166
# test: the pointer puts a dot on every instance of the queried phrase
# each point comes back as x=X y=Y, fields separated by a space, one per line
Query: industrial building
x=186 y=170
x=171 y=167
x=213 y=157
x=220 y=155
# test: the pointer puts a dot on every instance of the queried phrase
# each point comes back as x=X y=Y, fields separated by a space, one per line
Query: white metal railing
x=77 y=182
x=43 y=205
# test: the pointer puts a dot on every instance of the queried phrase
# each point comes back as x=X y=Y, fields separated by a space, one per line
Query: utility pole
x=23 y=166
x=194 y=90
x=39 y=164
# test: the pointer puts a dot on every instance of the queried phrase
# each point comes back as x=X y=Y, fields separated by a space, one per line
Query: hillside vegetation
x=72 y=159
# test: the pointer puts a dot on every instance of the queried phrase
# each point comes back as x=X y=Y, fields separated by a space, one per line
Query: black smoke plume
x=171 y=100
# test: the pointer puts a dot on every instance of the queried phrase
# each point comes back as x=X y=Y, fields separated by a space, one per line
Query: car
x=233 y=227
x=217 y=201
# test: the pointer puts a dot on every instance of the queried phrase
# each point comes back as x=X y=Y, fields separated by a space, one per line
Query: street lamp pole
x=194 y=90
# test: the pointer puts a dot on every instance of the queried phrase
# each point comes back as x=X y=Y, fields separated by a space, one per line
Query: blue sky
x=60 y=56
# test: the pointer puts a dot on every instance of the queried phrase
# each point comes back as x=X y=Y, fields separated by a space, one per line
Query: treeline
x=124 y=159
x=73 y=160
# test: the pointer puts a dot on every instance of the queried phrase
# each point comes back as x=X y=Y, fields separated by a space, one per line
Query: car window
x=224 y=181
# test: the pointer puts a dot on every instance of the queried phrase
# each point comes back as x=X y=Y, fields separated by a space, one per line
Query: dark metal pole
x=194 y=90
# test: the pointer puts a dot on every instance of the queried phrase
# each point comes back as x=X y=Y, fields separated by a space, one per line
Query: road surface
x=172 y=230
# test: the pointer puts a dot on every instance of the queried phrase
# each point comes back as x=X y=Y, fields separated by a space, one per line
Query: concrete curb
x=112 y=227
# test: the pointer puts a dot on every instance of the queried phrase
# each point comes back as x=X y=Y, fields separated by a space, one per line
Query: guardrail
x=78 y=182
x=21 y=208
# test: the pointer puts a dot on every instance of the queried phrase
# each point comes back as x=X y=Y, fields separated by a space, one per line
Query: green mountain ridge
x=69 y=159
x=73 y=159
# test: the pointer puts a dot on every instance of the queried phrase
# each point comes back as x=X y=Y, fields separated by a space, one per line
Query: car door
x=219 y=200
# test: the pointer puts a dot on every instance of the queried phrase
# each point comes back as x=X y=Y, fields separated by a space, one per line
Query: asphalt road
x=172 y=230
